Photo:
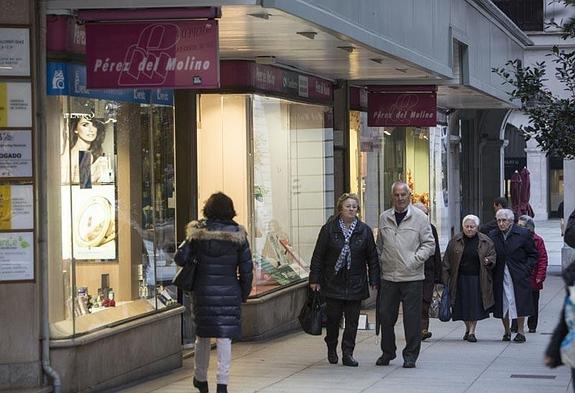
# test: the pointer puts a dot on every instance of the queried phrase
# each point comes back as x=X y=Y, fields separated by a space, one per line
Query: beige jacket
x=403 y=250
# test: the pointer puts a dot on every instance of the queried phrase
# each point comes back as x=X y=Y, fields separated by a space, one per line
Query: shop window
x=275 y=160
x=111 y=212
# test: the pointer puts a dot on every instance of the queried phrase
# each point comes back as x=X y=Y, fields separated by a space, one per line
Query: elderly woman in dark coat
x=223 y=281
x=467 y=265
x=516 y=258
x=344 y=253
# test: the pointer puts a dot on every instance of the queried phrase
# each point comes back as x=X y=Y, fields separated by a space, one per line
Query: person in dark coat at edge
x=516 y=258
x=553 y=354
x=223 y=282
x=498 y=203
x=432 y=268
x=538 y=275
x=344 y=261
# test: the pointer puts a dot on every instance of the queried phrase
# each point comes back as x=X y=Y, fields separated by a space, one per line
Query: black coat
x=349 y=284
x=223 y=279
x=433 y=265
x=520 y=256
x=569 y=235
x=488 y=227
x=561 y=330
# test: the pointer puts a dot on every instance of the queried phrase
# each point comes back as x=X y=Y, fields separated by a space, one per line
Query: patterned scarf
x=345 y=254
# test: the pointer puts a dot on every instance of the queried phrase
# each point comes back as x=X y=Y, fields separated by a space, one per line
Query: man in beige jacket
x=404 y=242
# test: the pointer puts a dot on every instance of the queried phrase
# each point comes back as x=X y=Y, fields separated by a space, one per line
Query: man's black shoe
x=384 y=360
x=408 y=364
x=202 y=386
x=348 y=360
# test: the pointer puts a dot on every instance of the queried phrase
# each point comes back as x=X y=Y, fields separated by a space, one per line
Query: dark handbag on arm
x=188 y=262
x=311 y=314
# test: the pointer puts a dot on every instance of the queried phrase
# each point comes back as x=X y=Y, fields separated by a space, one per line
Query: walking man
x=404 y=242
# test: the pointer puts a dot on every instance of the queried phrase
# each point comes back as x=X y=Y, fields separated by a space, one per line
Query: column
x=538 y=167
x=568 y=253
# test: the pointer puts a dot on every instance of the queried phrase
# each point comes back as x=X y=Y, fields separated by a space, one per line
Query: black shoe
x=506 y=337
x=465 y=336
x=222 y=388
x=532 y=330
x=384 y=360
x=425 y=335
x=348 y=360
x=519 y=338
x=408 y=364
x=471 y=338
x=201 y=386
x=332 y=356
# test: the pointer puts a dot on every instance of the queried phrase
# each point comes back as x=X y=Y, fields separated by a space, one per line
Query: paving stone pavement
x=297 y=362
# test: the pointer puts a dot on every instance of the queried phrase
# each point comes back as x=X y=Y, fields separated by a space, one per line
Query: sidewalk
x=297 y=362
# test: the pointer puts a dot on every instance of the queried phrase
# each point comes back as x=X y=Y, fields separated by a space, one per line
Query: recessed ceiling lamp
x=377 y=60
x=307 y=34
x=263 y=15
x=404 y=70
x=386 y=132
x=348 y=48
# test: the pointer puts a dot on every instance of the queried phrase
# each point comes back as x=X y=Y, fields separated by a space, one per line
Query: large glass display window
x=111 y=199
x=275 y=159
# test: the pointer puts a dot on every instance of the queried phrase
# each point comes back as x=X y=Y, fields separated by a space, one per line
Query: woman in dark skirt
x=467 y=265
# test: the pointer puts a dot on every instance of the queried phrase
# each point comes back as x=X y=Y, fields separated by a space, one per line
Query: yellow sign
x=5 y=207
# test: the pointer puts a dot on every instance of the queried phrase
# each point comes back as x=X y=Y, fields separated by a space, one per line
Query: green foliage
x=552 y=118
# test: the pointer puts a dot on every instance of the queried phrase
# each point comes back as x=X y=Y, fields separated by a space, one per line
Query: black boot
x=201 y=386
x=332 y=355
x=348 y=360
x=222 y=388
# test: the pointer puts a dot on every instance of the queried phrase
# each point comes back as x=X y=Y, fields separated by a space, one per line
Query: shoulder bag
x=188 y=262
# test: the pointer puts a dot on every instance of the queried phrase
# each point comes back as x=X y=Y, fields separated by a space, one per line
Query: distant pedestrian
x=561 y=213
x=344 y=262
x=467 y=270
x=498 y=203
x=223 y=281
x=538 y=275
x=516 y=257
x=405 y=242
x=432 y=276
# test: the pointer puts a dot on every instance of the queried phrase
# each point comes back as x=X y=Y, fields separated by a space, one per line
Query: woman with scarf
x=343 y=262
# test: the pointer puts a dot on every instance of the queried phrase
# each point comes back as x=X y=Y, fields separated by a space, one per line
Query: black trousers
x=409 y=294
x=532 y=320
x=426 y=298
x=335 y=308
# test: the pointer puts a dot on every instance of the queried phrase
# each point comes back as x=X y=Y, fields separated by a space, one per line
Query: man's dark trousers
x=409 y=294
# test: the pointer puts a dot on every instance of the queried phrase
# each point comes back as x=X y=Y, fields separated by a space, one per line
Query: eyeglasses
x=502 y=219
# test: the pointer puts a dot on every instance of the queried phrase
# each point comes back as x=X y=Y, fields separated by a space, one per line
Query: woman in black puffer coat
x=344 y=252
x=223 y=281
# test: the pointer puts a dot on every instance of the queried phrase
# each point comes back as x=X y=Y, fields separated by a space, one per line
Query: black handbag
x=188 y=262
x=311 y=314
x=445 y=305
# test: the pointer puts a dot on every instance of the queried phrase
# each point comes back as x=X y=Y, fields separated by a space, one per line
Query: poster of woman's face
x=88 y=156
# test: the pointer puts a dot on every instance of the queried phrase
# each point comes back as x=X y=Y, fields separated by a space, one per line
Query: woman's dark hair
x=96 y=146
x=219 y=206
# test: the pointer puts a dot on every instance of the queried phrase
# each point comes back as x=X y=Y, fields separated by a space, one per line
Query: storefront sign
x=358 y=98
x=15 y=104
x=16 y=207
x=178 y=54
x=65 y=34
x=402 y=106
x=14 y=52
x=241 y=74
x=16 y=256
x=69 y=79
x=16 y=153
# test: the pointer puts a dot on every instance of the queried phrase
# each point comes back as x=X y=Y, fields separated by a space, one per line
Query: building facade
x=119 y=167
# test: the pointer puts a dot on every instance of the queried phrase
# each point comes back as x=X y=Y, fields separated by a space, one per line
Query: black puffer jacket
x=349 y=284
x=224 y=276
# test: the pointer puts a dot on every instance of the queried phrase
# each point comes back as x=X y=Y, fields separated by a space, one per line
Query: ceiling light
x=404 y=70
x=263 y=15
x=307 y=34
x=348 y=49
x=386 y=132
x=377 y=60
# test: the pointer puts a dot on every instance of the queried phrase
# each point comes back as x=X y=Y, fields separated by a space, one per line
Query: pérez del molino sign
x=173 y=54
x=403 y=106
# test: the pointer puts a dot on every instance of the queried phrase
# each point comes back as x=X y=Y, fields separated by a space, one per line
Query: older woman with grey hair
x=467 y=265
x=516 y=257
